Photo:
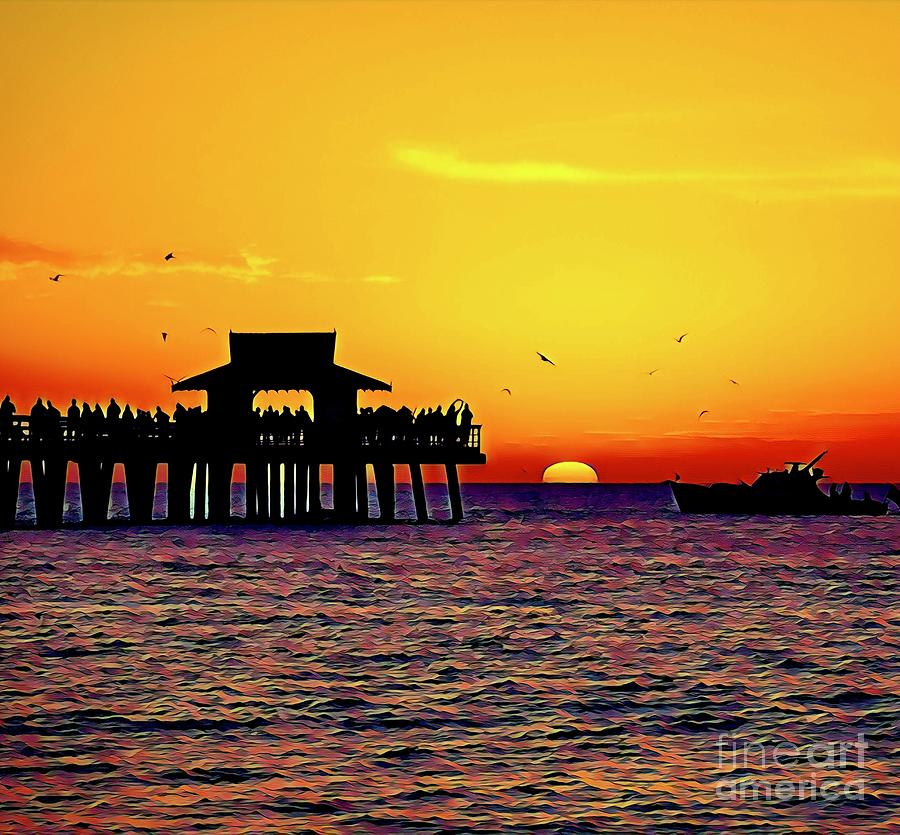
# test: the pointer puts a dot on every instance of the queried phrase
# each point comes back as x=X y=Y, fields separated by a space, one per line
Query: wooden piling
x=48 y=480
x=261 y=471
x=220 y=491
x=315 y=491
x=140 y=485
x=200 y=492
x=456 y=508
x=10 y=470
x=250 y=490
x=418 y=490
x=344 y=490
x=178 y=490
x=362 y=492
x=290 y=496
x=275 y=491
x=384 y=486
x=301 y=488
x=95 y=479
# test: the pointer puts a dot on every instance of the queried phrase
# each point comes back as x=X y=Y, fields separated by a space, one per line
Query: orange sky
x=456 y=186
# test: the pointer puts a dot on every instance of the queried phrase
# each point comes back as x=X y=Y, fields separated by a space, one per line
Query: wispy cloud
x=450 y=165
x=245 y=266
x=863 y=178
x=21 y=259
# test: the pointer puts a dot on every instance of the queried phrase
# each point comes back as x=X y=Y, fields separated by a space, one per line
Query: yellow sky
x=456 y=186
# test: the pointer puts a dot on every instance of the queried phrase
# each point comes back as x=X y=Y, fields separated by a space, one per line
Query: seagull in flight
x=651 y=373
x=56 y=277
x=169 y=257
x=704 y=412
x=734 y=381
x=679 y=338
x=507 y=391
x=165 y=336
x=544 y=359
x=211 y=330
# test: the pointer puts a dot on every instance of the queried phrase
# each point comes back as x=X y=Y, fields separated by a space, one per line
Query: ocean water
x=569 y=659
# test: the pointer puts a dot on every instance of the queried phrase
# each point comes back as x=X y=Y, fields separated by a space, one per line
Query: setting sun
x=570 y=472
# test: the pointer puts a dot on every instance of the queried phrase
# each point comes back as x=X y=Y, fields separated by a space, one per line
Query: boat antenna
x=815 y=461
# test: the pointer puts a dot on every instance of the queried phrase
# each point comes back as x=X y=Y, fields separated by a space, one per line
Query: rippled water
x=564 y=661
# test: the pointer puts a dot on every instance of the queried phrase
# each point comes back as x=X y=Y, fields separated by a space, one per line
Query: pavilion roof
x=281 y=362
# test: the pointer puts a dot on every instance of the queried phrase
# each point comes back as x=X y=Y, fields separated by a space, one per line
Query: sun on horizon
x=570 y=472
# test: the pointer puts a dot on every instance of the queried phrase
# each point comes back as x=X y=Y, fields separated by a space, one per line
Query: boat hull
x=744 y=500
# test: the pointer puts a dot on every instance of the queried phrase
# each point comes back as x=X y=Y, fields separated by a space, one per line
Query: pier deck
x=282 y=475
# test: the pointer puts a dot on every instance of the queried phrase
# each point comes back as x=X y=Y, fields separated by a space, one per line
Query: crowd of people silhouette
x=375 y=427
x=427 y=427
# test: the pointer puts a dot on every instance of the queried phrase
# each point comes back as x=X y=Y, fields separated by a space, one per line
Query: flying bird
x=507 y=391
x=651 y=373
x=56 y=277
x=679 y=338
x=704 y=412
x=544 y=359
x=165 y=336
x=734 y=381
x=169 y=257
x=211 y=330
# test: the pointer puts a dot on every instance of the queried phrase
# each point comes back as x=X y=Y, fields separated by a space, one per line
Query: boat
x=793 y=491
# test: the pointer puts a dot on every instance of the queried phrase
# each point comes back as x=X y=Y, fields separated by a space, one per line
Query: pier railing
x=133 y=434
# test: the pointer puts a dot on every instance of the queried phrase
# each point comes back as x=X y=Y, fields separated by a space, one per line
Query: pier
x=282 y=453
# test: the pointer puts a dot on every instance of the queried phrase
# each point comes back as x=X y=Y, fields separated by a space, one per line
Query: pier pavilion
x=283 y=482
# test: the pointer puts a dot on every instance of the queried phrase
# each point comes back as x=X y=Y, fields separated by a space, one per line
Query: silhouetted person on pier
x=98 y=419
x=465 y=424
x=285 y=425
x=73 y=420
x=450 y=422
x=423 y=426
x=438 y=430
x=161 y=419
x=37 y=421
x=7 y=413
x=126 y=422
x=270 y=424
x=303 y=423
x=86 y=423
x=405 y=427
